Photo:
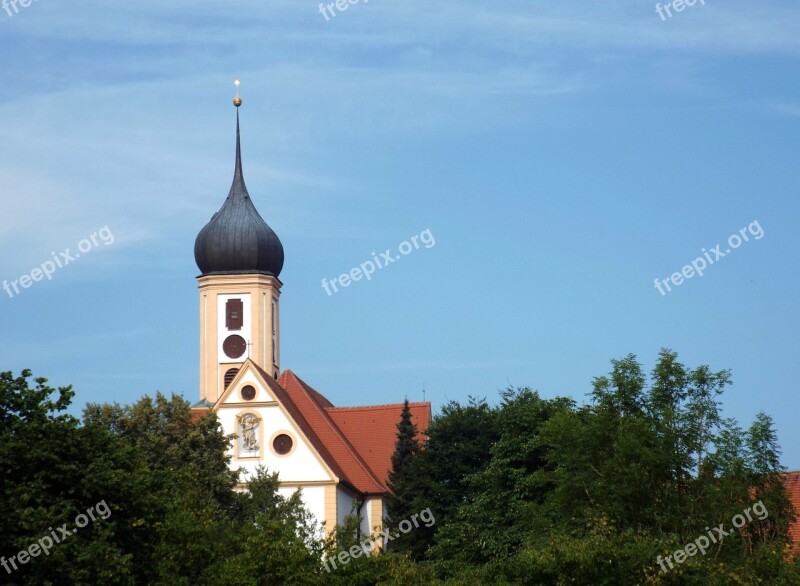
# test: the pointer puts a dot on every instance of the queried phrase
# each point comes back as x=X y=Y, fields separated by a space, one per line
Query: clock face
x=234 y=346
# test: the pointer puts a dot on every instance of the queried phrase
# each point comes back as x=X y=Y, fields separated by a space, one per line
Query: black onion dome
x=237 y=239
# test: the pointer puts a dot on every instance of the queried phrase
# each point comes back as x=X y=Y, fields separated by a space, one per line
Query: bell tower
x=240 y=258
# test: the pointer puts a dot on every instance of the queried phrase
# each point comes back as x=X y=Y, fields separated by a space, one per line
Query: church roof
x=354 y=470
x=236 y=239
x=792 y=484
x=356 y=443
x=372 y=430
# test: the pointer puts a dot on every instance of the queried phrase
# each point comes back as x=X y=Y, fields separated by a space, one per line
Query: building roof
x=372 y=431
x=356 y=443
x=236 y=239
x=310 y=405
x=792 y=484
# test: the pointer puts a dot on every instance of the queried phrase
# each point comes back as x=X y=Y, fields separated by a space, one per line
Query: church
x=339 y=456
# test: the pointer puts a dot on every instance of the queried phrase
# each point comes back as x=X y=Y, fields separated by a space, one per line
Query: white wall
x=344 y=504
x=300 y=465
x=313 y=499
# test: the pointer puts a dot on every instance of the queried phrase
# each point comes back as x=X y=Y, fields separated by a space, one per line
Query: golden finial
x=237 y=101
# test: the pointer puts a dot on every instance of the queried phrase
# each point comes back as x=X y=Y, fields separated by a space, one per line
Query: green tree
x=459 y=445
x=180 y=489
x=272 y=540
x=53 y=469
x=508 y=494
x=661 y=462
x=403 y=489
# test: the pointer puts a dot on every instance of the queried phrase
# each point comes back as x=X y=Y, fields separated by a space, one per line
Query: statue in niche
x=248 y=435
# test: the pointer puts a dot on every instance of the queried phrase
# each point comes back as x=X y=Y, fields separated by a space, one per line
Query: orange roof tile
x=308 y=430
x=356 y=443
x=792 y=484
x=307 y=405
x=372 y=431
x=197 y=413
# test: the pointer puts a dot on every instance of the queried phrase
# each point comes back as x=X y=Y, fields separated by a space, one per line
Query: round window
x=282 y=444
x=248 y=393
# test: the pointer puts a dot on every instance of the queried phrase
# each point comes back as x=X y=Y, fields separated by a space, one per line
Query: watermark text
x=701 y=263
x=43 y=546
x=340 y=5
x=366 y=547
x=368 y=267
x=15 y=4
x=59 y=261
x=715 y=536
x=665 y=11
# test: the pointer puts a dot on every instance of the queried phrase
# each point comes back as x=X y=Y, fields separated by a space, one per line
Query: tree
x=532 y=491
x=506 y=495
x=460 y=440
x=271 y=541
x=53 y=470
x=400 y=501
x=180 y=487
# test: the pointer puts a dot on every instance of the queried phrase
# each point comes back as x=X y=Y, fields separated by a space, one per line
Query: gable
x=248 y=376
x=308 y=404
x=349 y=445
x=269 y=419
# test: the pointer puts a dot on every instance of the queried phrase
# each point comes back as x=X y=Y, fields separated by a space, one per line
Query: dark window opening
x=282 y=444
x=234 y=314
x=248 y=393
x=230 y=375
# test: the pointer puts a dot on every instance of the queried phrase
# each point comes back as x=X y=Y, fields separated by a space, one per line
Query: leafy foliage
x=531 y=491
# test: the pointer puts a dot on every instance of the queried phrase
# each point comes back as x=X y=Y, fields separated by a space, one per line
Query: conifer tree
x=400 y=502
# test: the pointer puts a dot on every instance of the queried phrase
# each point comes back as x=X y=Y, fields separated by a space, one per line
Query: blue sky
x=563 y=157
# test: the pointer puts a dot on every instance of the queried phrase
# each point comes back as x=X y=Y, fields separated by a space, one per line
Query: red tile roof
x=373 y=431
x=306 y=404
x=303 y=420
x=792 y=483
x=356 y=443
x=196 y=413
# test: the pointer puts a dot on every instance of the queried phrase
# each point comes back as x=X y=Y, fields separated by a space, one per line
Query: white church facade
x=338 y=456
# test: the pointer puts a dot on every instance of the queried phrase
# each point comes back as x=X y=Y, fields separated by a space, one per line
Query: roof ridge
x=266 y=376
x=297 y=414
x=303 y=385
x=381 y=406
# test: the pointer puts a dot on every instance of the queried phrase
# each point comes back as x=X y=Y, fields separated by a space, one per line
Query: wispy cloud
x=122 y=124
x=786 y=108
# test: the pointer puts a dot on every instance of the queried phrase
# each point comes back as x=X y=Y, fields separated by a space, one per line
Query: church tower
x=240 y=259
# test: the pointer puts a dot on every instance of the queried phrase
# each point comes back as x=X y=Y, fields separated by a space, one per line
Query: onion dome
x=237 y=240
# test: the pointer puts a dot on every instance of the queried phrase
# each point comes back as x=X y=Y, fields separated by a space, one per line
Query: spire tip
x=237 y=101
